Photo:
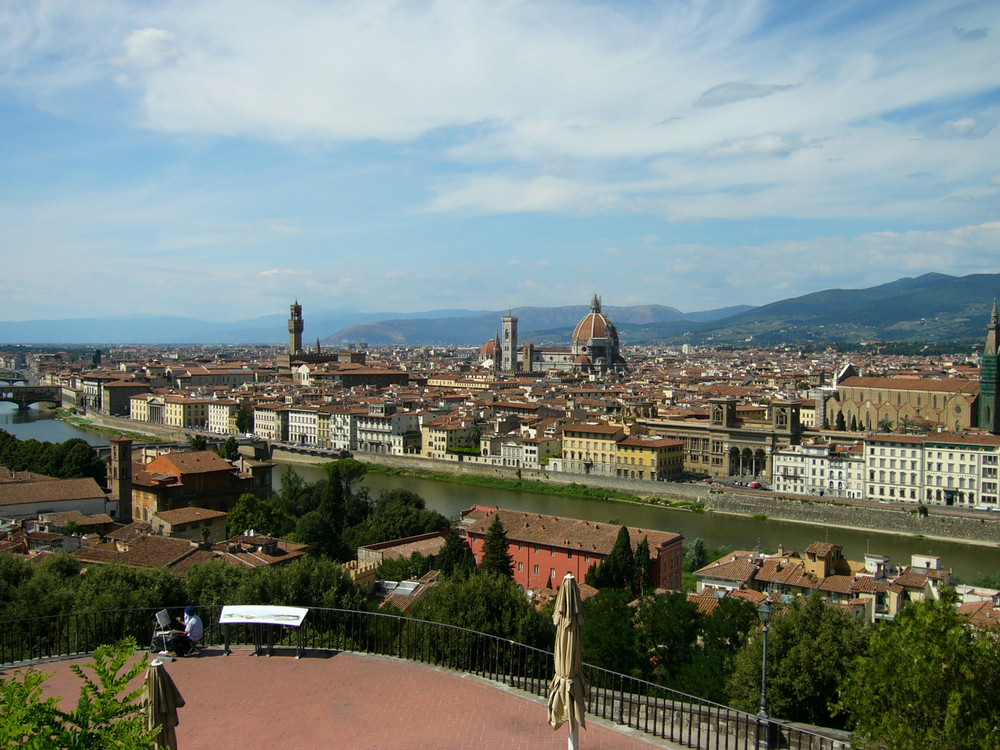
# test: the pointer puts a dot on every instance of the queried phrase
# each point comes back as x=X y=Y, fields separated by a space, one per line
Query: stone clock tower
x=295 y=328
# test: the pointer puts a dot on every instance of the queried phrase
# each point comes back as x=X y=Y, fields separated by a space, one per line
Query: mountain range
x=930 y=308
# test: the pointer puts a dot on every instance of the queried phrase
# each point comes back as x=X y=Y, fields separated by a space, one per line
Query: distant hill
x=135 y=329
x=930 y=308
x=543 y=325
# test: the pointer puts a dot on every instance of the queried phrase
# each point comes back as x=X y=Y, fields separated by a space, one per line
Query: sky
x=218 y=159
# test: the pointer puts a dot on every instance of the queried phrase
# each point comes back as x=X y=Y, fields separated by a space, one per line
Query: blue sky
x=219 y=158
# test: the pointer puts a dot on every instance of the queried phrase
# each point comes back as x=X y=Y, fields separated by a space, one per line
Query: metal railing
x=638 y=704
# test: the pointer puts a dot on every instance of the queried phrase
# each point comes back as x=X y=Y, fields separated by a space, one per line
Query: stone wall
x=877 y=518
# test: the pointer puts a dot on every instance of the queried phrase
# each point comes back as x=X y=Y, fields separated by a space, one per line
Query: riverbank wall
x=814 y=511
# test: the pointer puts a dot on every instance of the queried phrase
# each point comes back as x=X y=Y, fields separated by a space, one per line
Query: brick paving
x=353 y=702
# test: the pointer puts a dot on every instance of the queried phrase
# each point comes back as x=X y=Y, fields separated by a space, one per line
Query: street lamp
x=764 y=613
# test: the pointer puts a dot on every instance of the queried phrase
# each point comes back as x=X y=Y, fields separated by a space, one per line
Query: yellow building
x=192 y=523
x=591 y=448
x=649 y=457
x=445 y=434
x=180 y=411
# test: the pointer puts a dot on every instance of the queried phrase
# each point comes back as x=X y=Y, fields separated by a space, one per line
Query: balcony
x=372 y=680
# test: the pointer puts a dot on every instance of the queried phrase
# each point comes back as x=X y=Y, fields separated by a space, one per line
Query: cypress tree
x=496 y=558
x=643 y=579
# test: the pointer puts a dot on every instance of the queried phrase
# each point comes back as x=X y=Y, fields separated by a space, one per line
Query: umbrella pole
x=574 y=738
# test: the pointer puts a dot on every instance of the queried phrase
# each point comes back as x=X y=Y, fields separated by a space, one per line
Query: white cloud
x=766 y=144
x=149 y=48
x=965 y=127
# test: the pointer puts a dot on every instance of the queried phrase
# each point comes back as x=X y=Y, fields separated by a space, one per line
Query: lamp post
x=764 y=612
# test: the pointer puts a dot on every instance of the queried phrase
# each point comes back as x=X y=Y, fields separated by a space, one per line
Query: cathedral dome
x=594 y=325
x=489 y=349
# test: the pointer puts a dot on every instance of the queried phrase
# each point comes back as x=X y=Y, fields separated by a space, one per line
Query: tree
x=244 y=420
x=263 y=516
x=722 y=632
x=230 y=449
x=617 y=570
x=496 y=557
x=214 y=582
x=885 y=425
x=197 y=443
x=292 y=494
x=812 y=645
x=667 y=627
x=926 y=681
x=397 y=519
x=455 y=557
x=315 y=529
x=609 y=635
x=642 y=579
x=840 y=423
x=106 y=715
x=109 y=587
x=854 y=423
x=405 y=568
x=487 y=603
x=696 y=556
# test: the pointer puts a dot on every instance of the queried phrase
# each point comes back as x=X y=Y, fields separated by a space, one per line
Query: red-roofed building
x=197 y=478
x=546 y=548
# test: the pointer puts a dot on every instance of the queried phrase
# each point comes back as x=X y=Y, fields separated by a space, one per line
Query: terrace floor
x=351 y=702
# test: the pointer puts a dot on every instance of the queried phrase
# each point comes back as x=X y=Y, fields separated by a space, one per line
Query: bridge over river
x=26 y=395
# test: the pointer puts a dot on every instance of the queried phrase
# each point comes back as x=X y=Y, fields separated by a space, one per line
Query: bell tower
x=120 y=476
x=295 y=328
x=989 y=379
x=508 y=344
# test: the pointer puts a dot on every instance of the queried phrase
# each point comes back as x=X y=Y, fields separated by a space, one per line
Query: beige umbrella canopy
x=161 y=699
x=568 y=691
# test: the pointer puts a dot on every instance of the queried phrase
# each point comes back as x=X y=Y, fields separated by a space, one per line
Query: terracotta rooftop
x=188 y=515
x=532 y=528
x=54 y=490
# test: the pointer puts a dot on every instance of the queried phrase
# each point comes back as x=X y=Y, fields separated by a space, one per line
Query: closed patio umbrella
x=568 y=691
x=161 y=700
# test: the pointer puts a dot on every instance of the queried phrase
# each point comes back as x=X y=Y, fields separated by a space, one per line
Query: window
x=535 y=571
x=520 y=567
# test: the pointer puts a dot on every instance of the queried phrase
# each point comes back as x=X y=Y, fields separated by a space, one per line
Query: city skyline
x=217 y=160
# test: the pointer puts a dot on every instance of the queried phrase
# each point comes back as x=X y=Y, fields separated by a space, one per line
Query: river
x=967 y=561
x=740 y=532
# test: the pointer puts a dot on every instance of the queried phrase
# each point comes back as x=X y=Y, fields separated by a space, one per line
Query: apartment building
x=935 y=469
x=545 y=548
x=591 y=448
x=819 y=469
x=650 y=457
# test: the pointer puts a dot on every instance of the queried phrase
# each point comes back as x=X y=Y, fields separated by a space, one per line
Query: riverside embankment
x=972 y=528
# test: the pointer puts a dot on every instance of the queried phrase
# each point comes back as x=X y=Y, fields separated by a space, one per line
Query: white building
x=220 y=413
x=819 y=470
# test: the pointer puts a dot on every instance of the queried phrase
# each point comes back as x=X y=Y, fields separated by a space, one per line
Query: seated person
x=184 y=640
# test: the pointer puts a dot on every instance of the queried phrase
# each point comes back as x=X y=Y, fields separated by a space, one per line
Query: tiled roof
x=188 y=515
x=194 y=462
x=570 y=533
x=54 y=490
x=943 y=385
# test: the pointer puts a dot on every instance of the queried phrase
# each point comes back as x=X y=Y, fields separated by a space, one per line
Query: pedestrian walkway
x=347 y=701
